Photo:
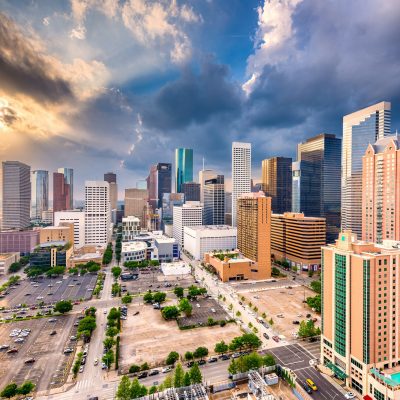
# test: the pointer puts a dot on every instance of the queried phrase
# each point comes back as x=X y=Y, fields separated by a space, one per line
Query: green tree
x=134 y=368
x=63 y=306
x=108 y=343
x=172 y=357
x=114 y=314
x=127 y=299
x=178 y=375
x=124 y=389
x=314 y=302
x=153 y=389
x=94 y=268
x=271 y=322
x=185 y=307
x=251 y=340
x=168 y=382
x=200 y=352
x=238 y=313
x=186 y=379
x=269 y=360
x=116 y=271
x=148 y=297
x=112 y=331
x=308 y=329
x=170 y=312
x=159 y=297
x=179 y=292
x=189 y=356
x=316 y=286
x=145 y=366
x=221 y=347
x=55 y=271
x=195 y=374
x=233 y=367
x=26 y=388
x=9 y=391
x=137 y=390
x=263 y=315
x=108 y=358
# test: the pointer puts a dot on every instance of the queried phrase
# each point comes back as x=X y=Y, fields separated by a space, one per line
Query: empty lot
x=147 y=337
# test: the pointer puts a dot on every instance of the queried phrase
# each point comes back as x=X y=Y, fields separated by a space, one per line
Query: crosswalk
x=313 y=348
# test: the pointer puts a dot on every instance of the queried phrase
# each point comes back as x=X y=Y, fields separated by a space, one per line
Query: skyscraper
x=359 y=129
x=183 y=167
x=381 y=190
x=204 y=175
x=69 y=179
x=241 y=173
x=61 y=192
x=191 y=190
x=15 y=195
x=254 y=231
x=316 y=181
x=158 y=183
x=189 y=214
x=277 y=183
x=135 y=204
x=98 y=227
x=214 y=201
x=40 y=193
x=111 y=178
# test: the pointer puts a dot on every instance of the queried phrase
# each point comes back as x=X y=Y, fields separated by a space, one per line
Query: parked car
x=52 y=333
x=225 y=357
x=143 y=374
x=276 y=338
x=166 y=369
x=266 y=335
x=212 y=359
x=350 y=395
x=201 y=362
x=295 y=322
x=190 y=364
x=13 y=350
x=154 y=372
x=30 y=361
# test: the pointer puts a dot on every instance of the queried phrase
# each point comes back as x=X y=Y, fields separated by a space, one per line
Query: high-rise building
x=381 y=190
x=15 y=195
x=135 y=204
x=241 y=174
x=169 y=201
x=359 y=129
x=111 y=178
x=191 y=190
x=214 y=201
x=254 y=231
x=61 y=192
x=130 y=228
x=316 y=181
x=75 y=217
x=183 y=167
x=228 y=208
x=277 y=183
x=40 y=193
x=360 y=315
x=158 y=183
x=69 y=180
x=204 y=175
x=189 y=214
x=98 y=227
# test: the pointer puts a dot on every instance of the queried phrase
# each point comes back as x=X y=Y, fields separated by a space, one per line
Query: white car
x=350 y=395
x=81 y=369
x=166 y=369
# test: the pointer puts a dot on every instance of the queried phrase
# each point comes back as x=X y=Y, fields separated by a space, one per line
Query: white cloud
x=78 y=33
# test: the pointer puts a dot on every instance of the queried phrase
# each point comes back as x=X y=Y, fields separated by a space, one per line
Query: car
x=72 y=338
x=225 y=357
x=312 y=339
x=105 y=312
x=39 y=298
x=96 y=361
x=13 y=350
x=53 y=320
x=93 y=398
x=27 y=294
x=266 y=335
x=30 y=361
x=83 y=361
x=275 y=338
x=154 y=372
x=19 y=340
x=311 y=384
x=143 y=374
x=349 y=395
x=280 y=316
x=201 y=362
x=190 y=364
x=81 y=368
x=307 y=388
x=136 y=313
x=308 y=316
x=235 y=355
x=212 y=359
x=166 y=369
x=103 y=366
x=68 y=350
x=4 y=346
x=295 y=322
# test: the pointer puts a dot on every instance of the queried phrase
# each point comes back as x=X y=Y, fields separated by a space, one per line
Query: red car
x=276 y=338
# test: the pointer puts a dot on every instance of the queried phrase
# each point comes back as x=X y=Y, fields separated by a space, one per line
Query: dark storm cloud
x=8 y=115
x=24 y=70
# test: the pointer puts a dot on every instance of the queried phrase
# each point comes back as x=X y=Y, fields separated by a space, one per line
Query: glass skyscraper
x=183 y=167
x=40 y=193
x=69 y=179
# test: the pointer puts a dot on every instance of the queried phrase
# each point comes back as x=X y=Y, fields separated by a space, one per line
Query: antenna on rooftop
x=203 y=163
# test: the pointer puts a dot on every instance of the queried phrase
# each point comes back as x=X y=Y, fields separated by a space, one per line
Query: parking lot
x=35 y=291
x=51 y=365
x=284 y=304
x=147 y=337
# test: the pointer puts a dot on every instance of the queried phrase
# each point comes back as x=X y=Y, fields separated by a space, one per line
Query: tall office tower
x=214 y=201
x=69 y=180
x=228 y=208
x=98 y=227
x=277 y=183
x=316 y=181
x=191 y=190
x=360 y=315
x=61 y=192
x=241 y=173
x=359 y=129
x=254 y=231
x=15 y=195
x=204 y=175
x=169 y=201
x=189 y=214
x=75 y=217
x=183 y=167
x=135 y=204
x=158 y=183
x=40 y=193
x=381 y=190
x=111 y=178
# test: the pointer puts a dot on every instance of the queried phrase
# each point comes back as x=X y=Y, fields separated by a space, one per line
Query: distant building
x=69 y=180
x=48 y=216
x=39 y=194
x=191 y=190
x=130 y=228
x=189 y=214
x=298 y=239
x=61 y=193
x=111 y=178
x=85 y=254
x=214 y=201
x=16 y=241
x=63 y=233
x=277 y=183
x=6 y=259
x=208 y=238
x=359 y=129
x=183 y=167
x=133 y=251
x=166 y=249
x=254 y=232
x=204 y=175
x=228 y=208
x=169 y=201
x=135 y=204
x=77 y=218
x=15 y=195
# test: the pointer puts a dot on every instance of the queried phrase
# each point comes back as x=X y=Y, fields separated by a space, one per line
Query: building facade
x=40 y=193
x=130 y=228
x=16 y=241
x=166 y=249
x=69 y=180
x=183 y=167
x=62 y=233
x=6 y=259
x=77 y=218
x=381 y=190
x=277 y=183
x=191 y=190
x=15 y=195
x=169 y=201
x=98 y=227
x=359 y=129
x=133 y=251
x=159 y=182
x=189 y=214
x=204 y=175
x=214 y=201
x=360 y=315
x=254 y=232
x=241 y=174
x=111 y=178
x=61 y=193
x=135 y=204
x=298 y=239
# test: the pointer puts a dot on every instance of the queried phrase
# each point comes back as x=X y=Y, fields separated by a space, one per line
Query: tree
x=144 y=366
x=172 y=357
x=159 y=297
x=108 y=358
x=15 y=267
x=127 y=299
x=114 y=314
x=134 y=368
x=316 y=286
x=238 y=314
x=185 y=307
x=210 y=321
x=63 y=306
x=124 y=389
x=314 y=302
x=153 y=389
x=94 y=268
x=221 y=347
x=148 y=297
x=308 y=329
x=108 y=343
x=195 y=374
x=170 y=312
x=112 y=331
x=87 y=324
x=9 y=391
x=116 y=271
x=55 y=271
x=186 y=379
x=137 y=390
x=263 y=315
x=200 y=352
x=189 y=356
x=269 y=360
x=178 y=375
x=167 y=382
x=179 y=292
x=233 y=367
x=251 y=340
x=271 y=321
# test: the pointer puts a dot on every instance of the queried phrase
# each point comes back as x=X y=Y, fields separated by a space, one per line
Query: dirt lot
x=51 y=365
x=288 y=302
x=147 y=337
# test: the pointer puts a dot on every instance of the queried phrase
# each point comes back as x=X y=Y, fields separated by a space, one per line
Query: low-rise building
x=6 y=259
x=208 y=238
x=166 y=249
x=51 y=254
x=297 y=239
x=131 y=227
x=76 y=217
x=62 y=233
x=85 y=254
x=14 y=241
x=133 y=251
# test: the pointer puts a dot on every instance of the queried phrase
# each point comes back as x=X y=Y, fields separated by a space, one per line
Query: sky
x=114 y=85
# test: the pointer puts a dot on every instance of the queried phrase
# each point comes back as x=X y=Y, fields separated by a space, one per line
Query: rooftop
x=211 y=227
x=4 y=256
x=133 y=246
x=87 y=256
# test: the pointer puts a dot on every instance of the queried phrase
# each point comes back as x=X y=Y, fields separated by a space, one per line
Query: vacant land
x=51 y=365
x=147 y=337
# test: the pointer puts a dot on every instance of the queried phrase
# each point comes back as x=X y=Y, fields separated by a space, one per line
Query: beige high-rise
x=136 y=203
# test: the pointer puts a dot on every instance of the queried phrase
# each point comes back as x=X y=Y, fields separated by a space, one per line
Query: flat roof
x=4 y=256
x=133 y=246
x=211 y=227
x=87 y=256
